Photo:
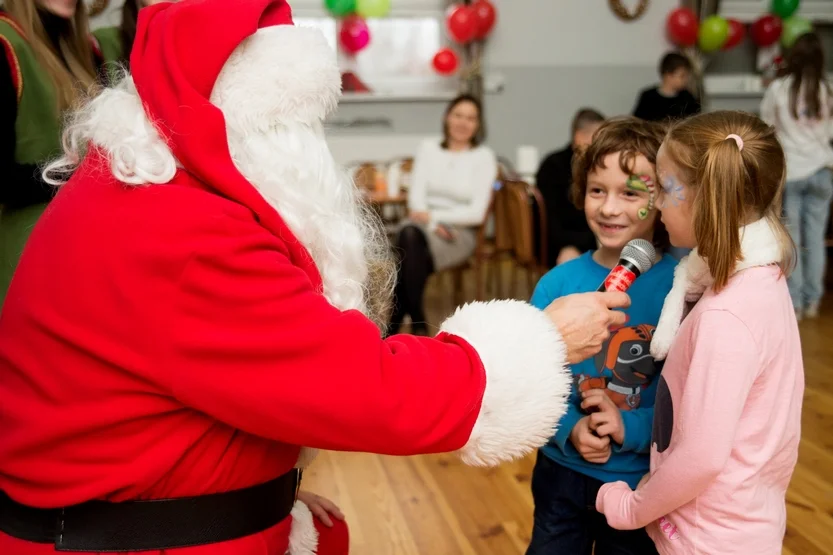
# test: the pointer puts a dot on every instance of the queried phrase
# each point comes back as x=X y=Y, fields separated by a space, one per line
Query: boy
x=605 y=435
x=568 y=234
x=671 y=99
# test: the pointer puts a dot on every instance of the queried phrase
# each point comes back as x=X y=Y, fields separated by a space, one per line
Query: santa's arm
x=262 y=351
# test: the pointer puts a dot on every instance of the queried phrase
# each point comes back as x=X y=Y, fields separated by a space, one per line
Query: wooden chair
x=520 y=199
x=484 y=253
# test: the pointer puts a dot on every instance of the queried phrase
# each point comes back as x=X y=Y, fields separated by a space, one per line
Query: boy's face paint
x=644 y=184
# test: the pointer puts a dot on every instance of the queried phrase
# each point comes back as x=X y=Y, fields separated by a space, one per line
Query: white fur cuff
x=527 y=384
x=303 y=537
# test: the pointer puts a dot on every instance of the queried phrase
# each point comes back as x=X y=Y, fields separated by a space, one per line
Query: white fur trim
x=303 y=537
x=281 y=75
x=527 y=384
x=305 y=457
x=759 y=246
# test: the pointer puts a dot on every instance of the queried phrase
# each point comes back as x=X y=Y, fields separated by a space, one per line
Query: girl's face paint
x=674 y=207
x=673 y=192
x=644 y=184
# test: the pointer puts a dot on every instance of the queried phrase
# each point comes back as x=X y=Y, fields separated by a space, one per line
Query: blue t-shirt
x=624 y=368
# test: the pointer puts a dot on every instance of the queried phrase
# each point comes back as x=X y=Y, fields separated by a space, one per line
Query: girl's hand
x=420 y=217
x=321 y=507
x=606 y=420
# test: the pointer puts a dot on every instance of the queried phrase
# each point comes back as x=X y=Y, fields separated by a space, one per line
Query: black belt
x=154 y=524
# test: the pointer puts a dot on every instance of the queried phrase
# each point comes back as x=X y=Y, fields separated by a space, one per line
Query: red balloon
x=736 y=34
x=462 y=24
x=355 y=35
x=486 y=16
x=767 y=30
x=682 y=27
x=446 y=61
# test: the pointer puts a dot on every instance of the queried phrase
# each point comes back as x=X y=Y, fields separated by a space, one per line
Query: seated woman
x=451 y=186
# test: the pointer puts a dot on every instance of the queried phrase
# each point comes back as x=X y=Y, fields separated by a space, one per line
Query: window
x=398 y=59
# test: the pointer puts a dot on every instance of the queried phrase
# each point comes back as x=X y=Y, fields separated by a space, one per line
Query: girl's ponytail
x=735 y=168
x=719 y=208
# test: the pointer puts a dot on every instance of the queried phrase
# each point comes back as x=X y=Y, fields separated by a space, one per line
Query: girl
x=728 y=404
x=799 y=105
x=46 y=58
x=450 y=190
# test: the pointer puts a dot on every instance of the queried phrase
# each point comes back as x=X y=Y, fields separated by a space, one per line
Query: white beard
x=295 y=172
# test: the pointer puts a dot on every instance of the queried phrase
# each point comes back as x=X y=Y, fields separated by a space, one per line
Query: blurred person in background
x=47 y=61
x=451 y=186
x=799 y=105
x=568 y=235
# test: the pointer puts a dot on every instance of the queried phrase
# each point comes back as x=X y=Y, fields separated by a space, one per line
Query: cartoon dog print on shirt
x=625 y=366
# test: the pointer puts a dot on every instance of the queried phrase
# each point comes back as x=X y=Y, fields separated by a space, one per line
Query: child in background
x=799 y=106
x=606 y=433
x=727 y=414
x=670 y=100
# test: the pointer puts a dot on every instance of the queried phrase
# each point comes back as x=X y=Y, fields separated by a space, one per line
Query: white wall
x=576 y=33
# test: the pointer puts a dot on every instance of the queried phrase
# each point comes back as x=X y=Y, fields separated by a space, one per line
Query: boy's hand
x=606 y=420
x=592 y=448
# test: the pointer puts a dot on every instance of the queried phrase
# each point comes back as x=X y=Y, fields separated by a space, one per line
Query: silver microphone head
x=641 y=253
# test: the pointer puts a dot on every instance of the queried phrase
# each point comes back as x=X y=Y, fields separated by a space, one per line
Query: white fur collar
x=759 y=246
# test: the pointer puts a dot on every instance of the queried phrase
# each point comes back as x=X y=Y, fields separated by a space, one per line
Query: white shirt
x=454 y=187
x=806 y=142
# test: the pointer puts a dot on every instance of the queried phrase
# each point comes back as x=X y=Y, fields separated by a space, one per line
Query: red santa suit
x=168 y=334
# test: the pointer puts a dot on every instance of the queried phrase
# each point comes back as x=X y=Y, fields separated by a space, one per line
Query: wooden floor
x=435 y=505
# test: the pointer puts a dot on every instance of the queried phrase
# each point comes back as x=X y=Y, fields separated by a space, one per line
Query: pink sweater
x=726 y=426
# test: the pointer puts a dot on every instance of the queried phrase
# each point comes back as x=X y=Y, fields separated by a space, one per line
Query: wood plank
x=435 y=505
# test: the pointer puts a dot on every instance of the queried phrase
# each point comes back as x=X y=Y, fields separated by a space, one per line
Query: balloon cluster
x=717 y=33
x=465 y=23
x=355 y=34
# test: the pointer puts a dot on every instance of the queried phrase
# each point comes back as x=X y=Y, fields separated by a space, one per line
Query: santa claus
x=196 y=309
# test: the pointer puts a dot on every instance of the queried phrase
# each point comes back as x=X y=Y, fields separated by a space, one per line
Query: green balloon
x=713 y=33
x=784 y=8
x=340 y=8
x=373 y=8
x=794 y=27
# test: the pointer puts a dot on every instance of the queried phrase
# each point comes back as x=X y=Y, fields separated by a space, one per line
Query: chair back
x=519 y=206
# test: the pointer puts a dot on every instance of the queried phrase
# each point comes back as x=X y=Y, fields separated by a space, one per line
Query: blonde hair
x=75 y=46
x=730 y=184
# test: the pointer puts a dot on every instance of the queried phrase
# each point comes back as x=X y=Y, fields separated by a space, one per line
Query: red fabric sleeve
x=256 y=347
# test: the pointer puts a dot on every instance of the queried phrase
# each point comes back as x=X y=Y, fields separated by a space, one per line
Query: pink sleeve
x=724 y=365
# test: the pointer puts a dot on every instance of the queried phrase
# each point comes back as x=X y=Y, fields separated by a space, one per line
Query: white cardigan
x=454 y=187
x=806 y=142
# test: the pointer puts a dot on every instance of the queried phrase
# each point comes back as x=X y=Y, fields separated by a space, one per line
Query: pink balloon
x=355 y=36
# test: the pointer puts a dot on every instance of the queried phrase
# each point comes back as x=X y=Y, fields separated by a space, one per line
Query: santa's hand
x=584 y=320
x=616 y=502
x=320 y=507
x=606 y=420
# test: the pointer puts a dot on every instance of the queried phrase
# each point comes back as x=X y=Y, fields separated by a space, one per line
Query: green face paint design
x=643 y=184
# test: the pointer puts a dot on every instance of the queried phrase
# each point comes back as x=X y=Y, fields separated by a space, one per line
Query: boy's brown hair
x=730 y=184
x=630 y=137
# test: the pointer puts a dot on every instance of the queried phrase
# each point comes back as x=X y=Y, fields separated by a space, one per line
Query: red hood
x=178 y=54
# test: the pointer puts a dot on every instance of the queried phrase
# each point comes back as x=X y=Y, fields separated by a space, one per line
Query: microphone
x=637 y=258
